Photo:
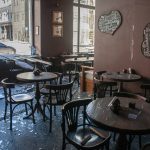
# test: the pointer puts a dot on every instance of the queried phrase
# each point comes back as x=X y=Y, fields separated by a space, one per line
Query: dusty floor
x=29 y=136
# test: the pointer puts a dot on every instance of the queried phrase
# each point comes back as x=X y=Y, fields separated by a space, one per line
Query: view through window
x=16 y=25
x=83 y=25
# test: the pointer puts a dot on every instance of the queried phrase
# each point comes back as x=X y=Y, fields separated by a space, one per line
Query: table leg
x=120 y=86
x=122 y=142
x=37 y=105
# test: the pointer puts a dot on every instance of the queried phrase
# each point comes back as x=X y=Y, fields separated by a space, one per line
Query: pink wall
x=123 y=49
x=37 y=23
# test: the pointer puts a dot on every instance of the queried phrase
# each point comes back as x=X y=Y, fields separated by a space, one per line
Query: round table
x=128 y=121
x=80 y=61
x=30 y=77
x=121 y=77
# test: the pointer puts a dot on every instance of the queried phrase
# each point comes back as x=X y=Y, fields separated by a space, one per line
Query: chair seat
x=22 y=98
x=54 y=101
x=44 y=91
x=93 y=139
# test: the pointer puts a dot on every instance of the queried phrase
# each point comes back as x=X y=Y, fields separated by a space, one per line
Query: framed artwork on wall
x=57 y=17
x=57 y=30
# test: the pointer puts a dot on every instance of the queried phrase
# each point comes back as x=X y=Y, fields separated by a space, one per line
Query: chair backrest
x=100 y=88
x=71 y=111
x=7 y=86
x=98 y=75
x=146 y=146
x=130 y=95
x=60 y=92
x=146 y=88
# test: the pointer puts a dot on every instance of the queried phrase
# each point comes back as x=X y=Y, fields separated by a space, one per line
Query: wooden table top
x=29 y=76
x=123 y=77
x=34 y=60
x=128 y=121
x=69 y=55
x=79 y=60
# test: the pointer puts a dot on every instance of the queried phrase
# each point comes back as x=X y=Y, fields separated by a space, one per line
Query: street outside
x=22 y=48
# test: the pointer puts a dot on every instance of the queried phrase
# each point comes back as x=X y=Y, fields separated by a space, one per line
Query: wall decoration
x=57 y=30
x=146 y=41
x=110 y=22
x=57 y=24
x=57 y=17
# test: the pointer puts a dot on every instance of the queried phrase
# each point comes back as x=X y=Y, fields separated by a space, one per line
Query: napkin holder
x=116 y=106
x=36 y=72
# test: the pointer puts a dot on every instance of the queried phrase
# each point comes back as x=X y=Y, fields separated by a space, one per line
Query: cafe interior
x=80 y=96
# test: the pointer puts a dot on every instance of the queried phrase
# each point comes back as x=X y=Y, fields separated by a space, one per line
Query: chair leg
x=50 y=125
x=11 y=113
x=140 y=141
x=32 y=112
x=5 y=110
x=130 y=141
x=63 y=144
x=107 y=146
x=55 y=110
x=110 y=90
x=114 y=137
x=26 y=109
x=44 y=105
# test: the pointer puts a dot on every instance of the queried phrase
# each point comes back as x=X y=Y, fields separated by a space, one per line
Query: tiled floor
x=29 y=136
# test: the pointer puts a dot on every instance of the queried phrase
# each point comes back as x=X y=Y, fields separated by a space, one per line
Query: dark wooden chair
x=78 y=131
x=57 y=97
x=100 y=88
x=135 y=96
x=130 y=95
x=112 y=85
x=68 y=70
x=146 y=88
x=15 y=99
x=146 y=146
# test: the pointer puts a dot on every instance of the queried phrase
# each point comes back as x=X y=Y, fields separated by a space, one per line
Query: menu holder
x=130 y=112
x=36 y=72
x=111 y=102
x=115 y=105
x=134 y=113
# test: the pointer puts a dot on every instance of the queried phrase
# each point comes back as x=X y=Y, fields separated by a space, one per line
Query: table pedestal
x=122 y=142
x=37 y=105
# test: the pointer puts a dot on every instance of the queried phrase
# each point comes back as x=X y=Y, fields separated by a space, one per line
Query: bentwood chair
x=57 y=97
x=100 y=88
x=135 y=96
x=68 y=70
x=146 y=88
x=78 y=131
x=112 y=85
x=13 y=100
x=146 y=146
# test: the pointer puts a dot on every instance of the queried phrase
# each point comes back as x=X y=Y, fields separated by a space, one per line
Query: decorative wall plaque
x=146 y=41
x=109 y=23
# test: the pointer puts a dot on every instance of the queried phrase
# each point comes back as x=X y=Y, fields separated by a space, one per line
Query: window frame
x=79 y=6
